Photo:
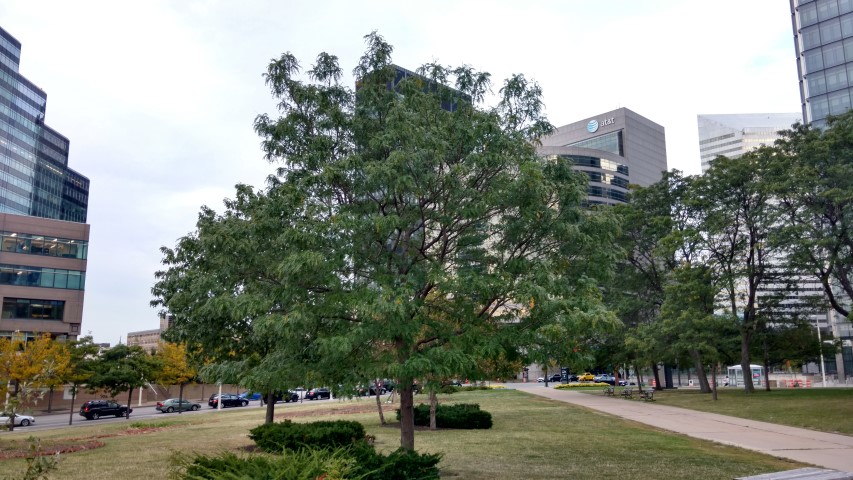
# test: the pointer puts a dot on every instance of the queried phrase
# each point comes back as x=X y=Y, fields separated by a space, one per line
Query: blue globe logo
x=592 y=126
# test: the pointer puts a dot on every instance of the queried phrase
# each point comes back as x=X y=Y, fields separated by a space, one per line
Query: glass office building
x=823 y=38
x=732 y=135
x=43 y=203
x=614 y=149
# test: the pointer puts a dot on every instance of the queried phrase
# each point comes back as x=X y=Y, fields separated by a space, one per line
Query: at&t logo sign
x=592 y=126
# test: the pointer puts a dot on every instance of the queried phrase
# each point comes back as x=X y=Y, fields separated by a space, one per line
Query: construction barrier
x=798 y=383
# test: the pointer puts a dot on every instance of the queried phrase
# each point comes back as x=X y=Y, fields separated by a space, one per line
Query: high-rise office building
x=43 y=232
x=823 y=39
x=614 y=149
x=732 y=135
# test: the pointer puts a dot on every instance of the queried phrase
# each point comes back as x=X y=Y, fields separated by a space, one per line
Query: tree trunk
x=129 y=399
x=700 y=371
x=270 y=407
x=433 y=404
x=714 y=383
x=766 y=365
x=656 y=372
x=545 y=373
x=50 y=400
x=379 y=403
x=407 y=415
x=748 y=386
x=73 y=396
x=181 y=398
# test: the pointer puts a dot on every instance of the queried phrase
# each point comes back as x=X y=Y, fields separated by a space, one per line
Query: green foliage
x=305 y=464
x=460 y=415
x=122 y=368
x=274 y=437
x=397 y=239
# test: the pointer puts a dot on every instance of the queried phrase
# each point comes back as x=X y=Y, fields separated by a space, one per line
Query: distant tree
x=122 y=369
x=386 y=195
x=53 y=359
x=176 y=367
x=19 y=374
x=82 y=359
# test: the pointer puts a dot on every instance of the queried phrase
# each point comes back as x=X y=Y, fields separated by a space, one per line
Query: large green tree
x=812 y=179
x=737 y=221
x=397 y=207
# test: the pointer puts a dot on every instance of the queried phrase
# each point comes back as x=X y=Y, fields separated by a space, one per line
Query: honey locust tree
x=407 y=227
x=177 y=367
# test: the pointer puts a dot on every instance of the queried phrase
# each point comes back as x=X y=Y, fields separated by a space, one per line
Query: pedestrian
x=726 y=381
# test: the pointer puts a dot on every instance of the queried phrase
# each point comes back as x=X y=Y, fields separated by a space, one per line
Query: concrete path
x=826 y=450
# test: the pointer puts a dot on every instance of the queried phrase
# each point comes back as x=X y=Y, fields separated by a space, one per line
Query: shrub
x=275 y=437
x=569 y=386
x=359 y=461
x=460 y=415
x=448 y=389
x=303 y=465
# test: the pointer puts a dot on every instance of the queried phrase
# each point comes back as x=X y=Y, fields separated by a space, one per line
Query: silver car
x=20 y=420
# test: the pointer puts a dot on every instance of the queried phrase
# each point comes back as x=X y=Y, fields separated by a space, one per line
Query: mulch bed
x=21 y=448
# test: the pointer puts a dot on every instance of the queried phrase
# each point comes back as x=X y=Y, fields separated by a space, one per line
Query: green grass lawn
x=533 y=438
x=823 y=409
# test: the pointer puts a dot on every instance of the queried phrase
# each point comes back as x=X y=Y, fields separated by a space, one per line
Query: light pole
x=822 y=366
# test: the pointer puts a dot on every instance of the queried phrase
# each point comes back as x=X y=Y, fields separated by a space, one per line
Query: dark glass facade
x=823 y=37
x=34 y=176
x=610 y=142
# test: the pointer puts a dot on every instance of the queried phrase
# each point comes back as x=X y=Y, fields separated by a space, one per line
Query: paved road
x=147 y=412
x=827 y=450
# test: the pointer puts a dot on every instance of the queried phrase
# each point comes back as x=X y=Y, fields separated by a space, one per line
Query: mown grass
x=533 y=438
x=823 y=409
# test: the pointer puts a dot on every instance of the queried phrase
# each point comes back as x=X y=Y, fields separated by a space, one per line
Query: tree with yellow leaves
x=177 y=368
x=28 y=367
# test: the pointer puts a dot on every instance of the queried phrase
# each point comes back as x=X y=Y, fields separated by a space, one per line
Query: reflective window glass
x=814 y=60
x=833 y=55
x=808 y=15
x=826 y=9
x=818 y=107
x=839 y=102
x=836 y=78
x=848 y=49
x=849 y=70
x=830 y=31
x=47 y=277
x=816 y=84
x=811 y=37
x=845 y=6
x=847 y=25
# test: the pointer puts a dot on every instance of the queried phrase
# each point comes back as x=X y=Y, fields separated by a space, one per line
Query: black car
x=228 y=400
x=555 y=377
x=316 y=393
x=95 y=409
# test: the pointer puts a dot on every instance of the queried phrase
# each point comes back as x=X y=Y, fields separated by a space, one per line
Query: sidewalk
x=825 y=450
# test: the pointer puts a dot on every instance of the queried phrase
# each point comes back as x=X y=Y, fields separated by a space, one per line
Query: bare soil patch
x=22 y=448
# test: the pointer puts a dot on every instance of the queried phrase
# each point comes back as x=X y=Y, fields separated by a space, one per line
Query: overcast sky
x=158 y=98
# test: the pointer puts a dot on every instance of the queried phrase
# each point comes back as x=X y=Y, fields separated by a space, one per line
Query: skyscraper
x=823 y=39
x=43 y=203
x=614 y=149
x=732 y=135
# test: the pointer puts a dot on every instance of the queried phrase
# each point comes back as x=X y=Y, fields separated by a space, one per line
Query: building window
x=27 y=276
x=43 y=245
x=32 y=309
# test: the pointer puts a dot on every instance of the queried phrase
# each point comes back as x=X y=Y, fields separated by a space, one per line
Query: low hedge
x=275 y=437
x=569 y=386
x=460 y=415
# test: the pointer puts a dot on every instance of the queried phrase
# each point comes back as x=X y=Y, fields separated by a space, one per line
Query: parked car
x=317 y=393
x=555 y=378
x=175 y=405
x=540 y=379
x=586 y=377
x=605 y=378
x=20 y=420
x=572 y=378
x=95 y=409
x=250 y=395
x=228 y=400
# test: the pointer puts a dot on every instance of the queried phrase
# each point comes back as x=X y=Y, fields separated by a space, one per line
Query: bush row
x=449 y=389
x=460 y=415
x=326 y=449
